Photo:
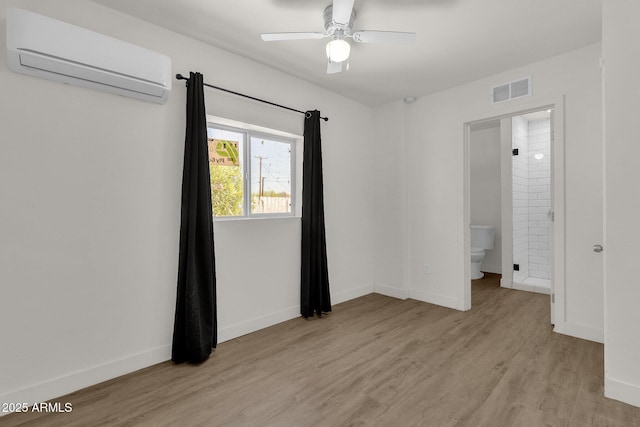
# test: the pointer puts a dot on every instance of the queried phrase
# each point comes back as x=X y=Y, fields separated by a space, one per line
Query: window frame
x=249 y=132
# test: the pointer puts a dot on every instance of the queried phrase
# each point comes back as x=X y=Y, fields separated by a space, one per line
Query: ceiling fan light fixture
x=338 y=23
x=338 y=50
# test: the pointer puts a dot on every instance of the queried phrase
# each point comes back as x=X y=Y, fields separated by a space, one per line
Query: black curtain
x=195 y=327
x=314 y=292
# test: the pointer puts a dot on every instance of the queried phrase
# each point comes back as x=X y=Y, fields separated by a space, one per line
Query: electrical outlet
x=426 y=269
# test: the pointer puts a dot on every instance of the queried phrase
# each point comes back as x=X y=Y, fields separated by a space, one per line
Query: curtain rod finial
x=308 y=115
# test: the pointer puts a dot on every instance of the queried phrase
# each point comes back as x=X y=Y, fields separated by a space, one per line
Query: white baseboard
x=496 y=269
x=523 y=287
x=531 y=288
x=391 y=291
x=580 y=331
x=622 y=391
x=351 y=294
x=416 y=294
x=56 y=387
x=252 y=325
x=443 y=300
x=243 y=328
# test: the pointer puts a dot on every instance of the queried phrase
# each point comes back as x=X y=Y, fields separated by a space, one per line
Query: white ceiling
x=458 y=41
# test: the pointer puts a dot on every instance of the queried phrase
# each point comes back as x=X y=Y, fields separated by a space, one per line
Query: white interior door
x=578 y=226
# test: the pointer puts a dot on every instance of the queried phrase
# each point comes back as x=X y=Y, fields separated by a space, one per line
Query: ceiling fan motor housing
x=334 y=29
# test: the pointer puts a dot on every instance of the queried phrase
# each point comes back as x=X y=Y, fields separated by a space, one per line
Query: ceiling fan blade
x=342 y=11
x=270 y=37
x=394 y=37
x=334 y=67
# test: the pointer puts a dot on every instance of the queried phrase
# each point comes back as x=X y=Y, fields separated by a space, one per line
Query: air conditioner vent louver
x=511 y=90
x=520 y=88
x=500 y=93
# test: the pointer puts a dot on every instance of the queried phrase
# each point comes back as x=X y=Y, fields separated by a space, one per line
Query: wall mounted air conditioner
x=43 y=47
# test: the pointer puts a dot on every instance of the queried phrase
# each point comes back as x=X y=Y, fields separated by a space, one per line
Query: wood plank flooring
x=374 y=361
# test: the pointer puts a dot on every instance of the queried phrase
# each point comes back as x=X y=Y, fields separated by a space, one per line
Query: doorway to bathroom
x=514 y=179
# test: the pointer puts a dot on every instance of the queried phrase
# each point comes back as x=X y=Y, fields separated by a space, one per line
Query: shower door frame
x=507 y=211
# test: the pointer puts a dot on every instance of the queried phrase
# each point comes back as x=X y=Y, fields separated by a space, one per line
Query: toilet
x=482 y=238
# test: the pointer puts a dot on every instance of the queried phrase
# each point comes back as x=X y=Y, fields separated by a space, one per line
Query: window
x=252 y=173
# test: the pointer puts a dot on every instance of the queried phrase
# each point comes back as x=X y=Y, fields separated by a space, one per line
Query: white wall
x=390 y=161
x=90 y=208
x=486 y=190
x=621 y=53
x=435 y=172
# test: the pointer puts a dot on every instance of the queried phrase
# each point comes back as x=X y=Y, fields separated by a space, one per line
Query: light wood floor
x=373 y=361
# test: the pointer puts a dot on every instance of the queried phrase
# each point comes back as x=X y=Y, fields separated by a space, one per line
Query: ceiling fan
x=338 y=21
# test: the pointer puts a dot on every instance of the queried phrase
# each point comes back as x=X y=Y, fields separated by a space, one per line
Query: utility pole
x=261 y=181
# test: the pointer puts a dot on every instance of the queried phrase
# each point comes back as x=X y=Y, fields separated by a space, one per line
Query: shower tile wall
x=539 y=199
x=520 y=174
x=531 y=199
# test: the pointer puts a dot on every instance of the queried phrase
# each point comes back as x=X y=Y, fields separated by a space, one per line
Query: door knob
x=597 y=248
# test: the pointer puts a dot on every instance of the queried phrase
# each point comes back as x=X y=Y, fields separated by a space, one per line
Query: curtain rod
x=181 y=77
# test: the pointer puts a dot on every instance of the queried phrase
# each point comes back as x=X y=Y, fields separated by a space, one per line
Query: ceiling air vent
x=500 y=93
x=511 y=90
